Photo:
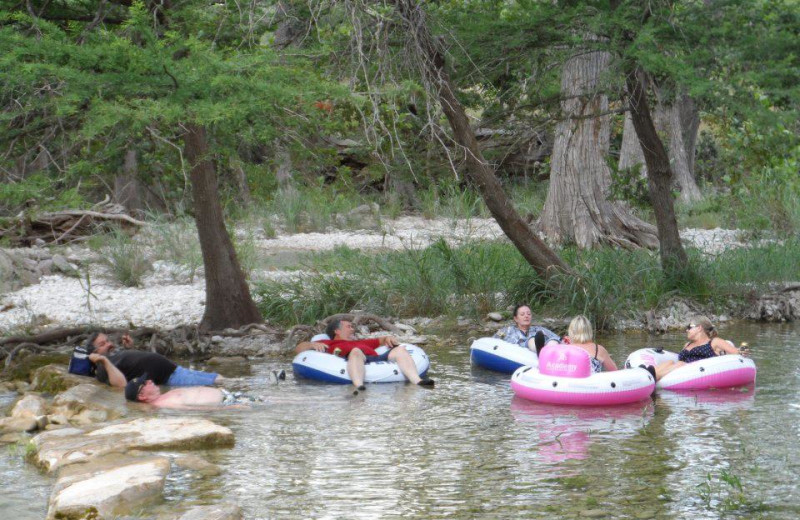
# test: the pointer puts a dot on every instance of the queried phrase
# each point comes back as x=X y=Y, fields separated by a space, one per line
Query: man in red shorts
x=360 y=352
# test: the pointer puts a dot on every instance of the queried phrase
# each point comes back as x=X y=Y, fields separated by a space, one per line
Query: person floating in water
x=704 y=343
x=143 y=390
x=360 y=352
x=524 y=334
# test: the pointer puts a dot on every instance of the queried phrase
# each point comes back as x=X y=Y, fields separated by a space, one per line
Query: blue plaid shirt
x=513 y=334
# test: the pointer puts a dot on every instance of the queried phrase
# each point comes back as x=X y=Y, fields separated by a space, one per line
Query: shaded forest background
x=595 y=124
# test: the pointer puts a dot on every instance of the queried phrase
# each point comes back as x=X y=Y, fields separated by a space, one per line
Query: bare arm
x=721 y=345
x=309 y=345
x=608 y=363
x=389 y=341
x=115 y=377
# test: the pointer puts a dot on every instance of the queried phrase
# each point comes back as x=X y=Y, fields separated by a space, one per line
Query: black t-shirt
x=133 y=363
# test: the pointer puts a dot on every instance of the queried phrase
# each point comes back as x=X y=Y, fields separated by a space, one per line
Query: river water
x=470 y=448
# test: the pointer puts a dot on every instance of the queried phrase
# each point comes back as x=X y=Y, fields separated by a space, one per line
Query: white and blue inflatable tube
x=501 y=356
x=321 y=366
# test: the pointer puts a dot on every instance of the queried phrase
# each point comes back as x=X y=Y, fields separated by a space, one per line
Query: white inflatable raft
x=322 y=366
x=717 y=372
x=501 y=356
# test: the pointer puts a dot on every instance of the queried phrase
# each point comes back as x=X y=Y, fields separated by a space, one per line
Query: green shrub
x=177 y=242
x=125 y=258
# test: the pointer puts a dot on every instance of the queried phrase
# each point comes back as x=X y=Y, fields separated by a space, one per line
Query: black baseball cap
x=133 y=387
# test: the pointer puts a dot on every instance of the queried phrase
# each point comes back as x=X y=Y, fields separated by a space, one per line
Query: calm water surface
x=470 y=448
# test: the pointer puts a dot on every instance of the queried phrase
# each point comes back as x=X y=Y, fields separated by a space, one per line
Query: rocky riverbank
x=105 y=463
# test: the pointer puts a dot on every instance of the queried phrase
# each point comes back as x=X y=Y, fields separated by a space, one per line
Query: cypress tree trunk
x=577 y=209
x=678 y=121
x=659 y=175
x=432 y=66
x=127 y=187
x=228 y=300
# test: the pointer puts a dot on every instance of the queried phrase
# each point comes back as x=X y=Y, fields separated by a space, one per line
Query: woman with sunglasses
x=703 y=343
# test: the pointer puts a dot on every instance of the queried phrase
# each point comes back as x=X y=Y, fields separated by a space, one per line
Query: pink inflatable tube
x=716 y=372
x=564 y=376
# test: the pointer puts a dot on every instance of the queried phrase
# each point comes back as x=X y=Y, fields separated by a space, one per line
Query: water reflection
x=567 y=432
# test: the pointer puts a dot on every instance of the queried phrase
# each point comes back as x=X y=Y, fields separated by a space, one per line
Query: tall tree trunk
x=240 y=179
x=690 y=124
x=679 y=120
x=630 y=153
x=127 y=187
x=228 y=300
x=659 y=174
x=679 y=151
x=432 y=65
x=577 y=208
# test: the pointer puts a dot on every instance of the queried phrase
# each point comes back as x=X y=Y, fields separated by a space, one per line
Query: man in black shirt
x=117 y=368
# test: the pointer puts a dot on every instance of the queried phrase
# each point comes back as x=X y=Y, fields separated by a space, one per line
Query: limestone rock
x=58 y=448
x=61 y=264
x=774 y=308
x=108 y=489
x=198 y=464
x=215 y=512
x=88 y=417
x=495 y=316
x=18 y=424
x=54 y=379
x=407 y=329
x=57 y=419
x=13 y=438
x=90 y=397
x=31 y=405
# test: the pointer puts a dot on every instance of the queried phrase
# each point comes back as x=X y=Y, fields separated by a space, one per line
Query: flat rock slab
x=215 y=512
x=91 y=397
x=58 y=448
x=108 y=489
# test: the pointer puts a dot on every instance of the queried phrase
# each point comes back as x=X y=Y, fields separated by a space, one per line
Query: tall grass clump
x=308 y=297
x=438 y=280
x=315 y=209
x=755 y=268
x=481 y=276
x=125 y=257
x=451 y=201
x=177 y=242
x=609 y=283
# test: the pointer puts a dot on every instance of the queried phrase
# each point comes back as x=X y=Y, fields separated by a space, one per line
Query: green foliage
x=126 y=258
x=47 y=193
x=726 y=493
x=629 y=185
x=177 y=242
x=450 y=200
x=93 y=96
x=438 y=280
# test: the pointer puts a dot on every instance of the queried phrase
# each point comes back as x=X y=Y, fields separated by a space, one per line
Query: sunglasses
x=690 y=326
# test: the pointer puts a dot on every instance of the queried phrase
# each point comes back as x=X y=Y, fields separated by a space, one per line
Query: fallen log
x=62 y=226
